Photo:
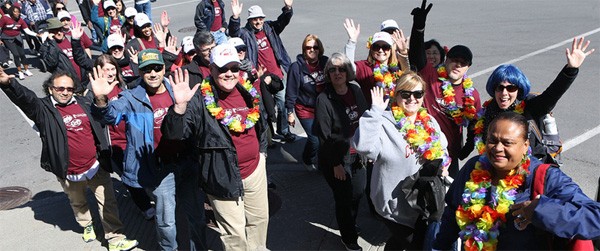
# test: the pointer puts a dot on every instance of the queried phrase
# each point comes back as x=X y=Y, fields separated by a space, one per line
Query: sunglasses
x=338 y=69
x=241 y=48
x=509 y=88
x=385 y=47
x=234 y=68
x=150 y=68
x=60 y=8
x=407 y=94
x=315 y=47
x=62 y=89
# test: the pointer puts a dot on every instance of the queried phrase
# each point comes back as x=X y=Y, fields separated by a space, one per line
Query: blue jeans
x=220 y=37
x=311 y=148
x=283 y=127
x=145 y=8
x=180 y=185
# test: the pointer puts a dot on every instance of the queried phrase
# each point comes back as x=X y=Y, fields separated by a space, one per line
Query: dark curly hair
x=57 y=74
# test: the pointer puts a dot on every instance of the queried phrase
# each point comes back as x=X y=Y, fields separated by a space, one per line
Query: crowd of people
x=188 y=122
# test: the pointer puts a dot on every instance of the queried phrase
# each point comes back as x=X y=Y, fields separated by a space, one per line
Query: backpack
x=554 y=242
x=548 y=146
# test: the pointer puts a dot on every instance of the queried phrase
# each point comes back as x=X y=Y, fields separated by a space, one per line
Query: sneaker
x=28 y=73
x=10 y=62
x=5 y=65
x=124 y=244
x=310 y=167
x=88 y=233
x=352 y=246
x=289 y=137
x=21 y=75
x=149 y=214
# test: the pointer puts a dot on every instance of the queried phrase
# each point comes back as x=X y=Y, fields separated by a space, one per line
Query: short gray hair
x=346 y=63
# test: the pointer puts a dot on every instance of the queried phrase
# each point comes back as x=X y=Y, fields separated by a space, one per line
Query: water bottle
x=550 y=125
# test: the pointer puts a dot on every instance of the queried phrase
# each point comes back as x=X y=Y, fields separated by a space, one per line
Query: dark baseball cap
x=462 y=52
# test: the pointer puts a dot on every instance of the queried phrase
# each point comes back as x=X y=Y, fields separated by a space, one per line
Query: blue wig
x=511 y=74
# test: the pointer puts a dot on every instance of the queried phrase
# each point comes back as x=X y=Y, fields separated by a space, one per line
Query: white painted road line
x=153 y=7
x=581 y=138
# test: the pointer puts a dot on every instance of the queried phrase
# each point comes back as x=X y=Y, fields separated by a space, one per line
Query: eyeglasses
x=207 y=49
x=65 y=18
x=509 y=88
x=407 y=94
x=385 y=47
x=62 y=89
x=150 y=68
x=315 y=47
x=60 y=8
x=338 y=69
x=234 y=68
x=115 y=48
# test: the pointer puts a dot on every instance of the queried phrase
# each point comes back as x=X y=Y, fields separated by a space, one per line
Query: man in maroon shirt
x=210 y=16
x=231 y=137
x=73 y=146
x=57 y=51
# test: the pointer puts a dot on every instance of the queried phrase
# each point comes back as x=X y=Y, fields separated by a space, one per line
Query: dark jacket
x=563 y=210
x=55 y=59
x=53 y=133
x=272 y=30
x=332 y=124
x=193 y=69
x=268 y=92
x=86 y=63
x=301 y=87
x=205 y=15
x=219 y=171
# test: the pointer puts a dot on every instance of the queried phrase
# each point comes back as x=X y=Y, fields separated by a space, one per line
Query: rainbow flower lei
x=385 y=76
x=421 y=135
x=480 y=124
x=468 y=112
x=226 y=117
x=480 y=219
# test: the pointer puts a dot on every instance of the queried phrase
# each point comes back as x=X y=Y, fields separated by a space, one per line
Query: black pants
x=138 y=195
x=406 y=238
x=32 y=41
x=347 y=194
x=16 y=48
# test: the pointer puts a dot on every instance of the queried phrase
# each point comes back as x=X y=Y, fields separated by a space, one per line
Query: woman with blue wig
x=509 y=89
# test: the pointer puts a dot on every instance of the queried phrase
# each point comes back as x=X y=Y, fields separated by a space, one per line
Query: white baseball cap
x=109 y=3
x=114 y=40
x=187 y=44
x=389 y=24
x=255 y=11
x=236 y=41
x=130 y=12
x=141 y=19
x=224 y=54
x=63 y=14
x=383 y=36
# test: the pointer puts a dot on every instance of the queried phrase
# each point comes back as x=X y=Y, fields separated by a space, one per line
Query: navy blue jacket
x=301 y=85
x=563 y=210
x=272 y=30
x=205 y=15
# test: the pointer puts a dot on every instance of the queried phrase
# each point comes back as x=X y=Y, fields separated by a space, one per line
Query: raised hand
x=236 y=8
x=172 y=46
x=288 y=3
x=578 y=53
x=352 y=30
x=261 y=70
x=160 y=34
x=164 y=19
x=181 y=89
x=401 y=42
x=5 y=78
x=100 y=86
x=133 y=55
x=420 y=15
x=76 y=31
x=378 y=95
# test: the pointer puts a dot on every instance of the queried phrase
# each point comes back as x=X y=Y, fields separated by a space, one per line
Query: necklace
x=421 y=135
x=479 y=128
x=234 y=123
x=480 y=216
x=385 y=76
x=461 y=117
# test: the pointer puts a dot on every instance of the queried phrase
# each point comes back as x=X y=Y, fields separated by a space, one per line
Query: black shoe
x=289 y=137
x=352 y=246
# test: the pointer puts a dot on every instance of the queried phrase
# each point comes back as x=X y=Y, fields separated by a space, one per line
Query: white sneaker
x=10 y=62
x=21 y=76
x=149 y=214
x=28 y=73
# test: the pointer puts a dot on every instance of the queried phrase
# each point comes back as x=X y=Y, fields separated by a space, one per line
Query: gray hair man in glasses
x=165 y=167
x=223 y=121
x=74 y=148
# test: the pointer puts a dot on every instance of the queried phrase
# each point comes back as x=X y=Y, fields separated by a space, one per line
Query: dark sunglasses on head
x=62 y=89
x=338 y=69
x=150 y=68
x=509 y=88
x=407 y=94
x=315 y=47
x=385 y=47
x=234 y=68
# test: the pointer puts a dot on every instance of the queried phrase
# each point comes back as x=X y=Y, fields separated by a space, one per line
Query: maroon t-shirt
x=65 y=46
x=12 y=28
x=80 y=138
x=435 y=104
x=205 y=70
x=115 y=25
x=364 y=77
x=86 y=42
x=216 y=25
x=100 y=8
x=127 y=71
x=246 y=143
x=349 y=101
x=149 y=44
x=266 y=56
x=160 y=105
x=117 y=132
